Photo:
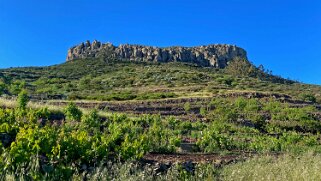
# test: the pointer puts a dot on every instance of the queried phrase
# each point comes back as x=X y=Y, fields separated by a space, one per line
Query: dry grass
x=12 y=103
x=305 y=167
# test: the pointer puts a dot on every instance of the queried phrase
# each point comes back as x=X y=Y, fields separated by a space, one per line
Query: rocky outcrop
x=217 y=55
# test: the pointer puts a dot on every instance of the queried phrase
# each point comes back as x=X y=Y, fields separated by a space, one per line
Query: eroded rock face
x=216 y=55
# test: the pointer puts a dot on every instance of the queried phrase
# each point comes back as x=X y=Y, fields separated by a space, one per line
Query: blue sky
x=284 y=36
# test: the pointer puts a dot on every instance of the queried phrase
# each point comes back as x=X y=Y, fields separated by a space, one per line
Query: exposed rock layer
x=217 y=55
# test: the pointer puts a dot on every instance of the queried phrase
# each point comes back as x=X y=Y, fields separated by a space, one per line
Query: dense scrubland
x=97 y=120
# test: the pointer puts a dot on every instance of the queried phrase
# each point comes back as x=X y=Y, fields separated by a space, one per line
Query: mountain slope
x=96 y=79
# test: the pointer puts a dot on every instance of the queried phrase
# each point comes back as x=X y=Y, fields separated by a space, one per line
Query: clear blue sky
x=284 y=36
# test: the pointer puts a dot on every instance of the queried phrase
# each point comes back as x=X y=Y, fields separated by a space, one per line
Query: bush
x=308 y=97
x=227 y=80
x=91 y=120
x=187 y=107
x=43 y=113
x=203 y=111
x=16 y=87
x=72 y=112
x=22 y=100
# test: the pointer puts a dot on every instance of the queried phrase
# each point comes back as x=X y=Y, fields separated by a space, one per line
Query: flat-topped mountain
x=217 y=55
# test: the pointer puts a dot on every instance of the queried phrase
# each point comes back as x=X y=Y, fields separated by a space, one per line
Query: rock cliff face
x=217 y=55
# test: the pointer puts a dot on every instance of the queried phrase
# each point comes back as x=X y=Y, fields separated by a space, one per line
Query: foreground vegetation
x=285 y=167
x=34 y=145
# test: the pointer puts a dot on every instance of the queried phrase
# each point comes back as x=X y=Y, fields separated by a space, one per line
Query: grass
x=285 y=167
x=279 y=168
x=12 y=103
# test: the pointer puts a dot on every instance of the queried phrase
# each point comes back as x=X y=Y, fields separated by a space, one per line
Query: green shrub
x=203 y=111
x=307 y=97
x=273 y=106
x=72 y=112
x=43 y=113
x=22 y=100
x=16 y=87
x=91 y=120
x=240 y=103
x=187 y=107
x=227 y=80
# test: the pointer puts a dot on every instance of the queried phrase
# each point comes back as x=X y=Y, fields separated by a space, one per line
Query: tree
x=240 y=67
x=23 y=99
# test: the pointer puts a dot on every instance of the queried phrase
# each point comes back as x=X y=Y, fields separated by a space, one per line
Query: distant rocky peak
x=216 y=55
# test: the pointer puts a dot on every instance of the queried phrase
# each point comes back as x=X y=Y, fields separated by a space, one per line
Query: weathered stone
x=95 y=45
x=87 y=44
x=216 y=55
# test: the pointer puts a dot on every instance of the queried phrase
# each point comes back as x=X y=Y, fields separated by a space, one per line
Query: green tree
x=240 y=67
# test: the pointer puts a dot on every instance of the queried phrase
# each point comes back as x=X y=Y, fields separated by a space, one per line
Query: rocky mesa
x=216 y=55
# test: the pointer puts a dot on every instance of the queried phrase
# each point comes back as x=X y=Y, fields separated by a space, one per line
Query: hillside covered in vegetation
x=104 y=119
x=96 y=79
